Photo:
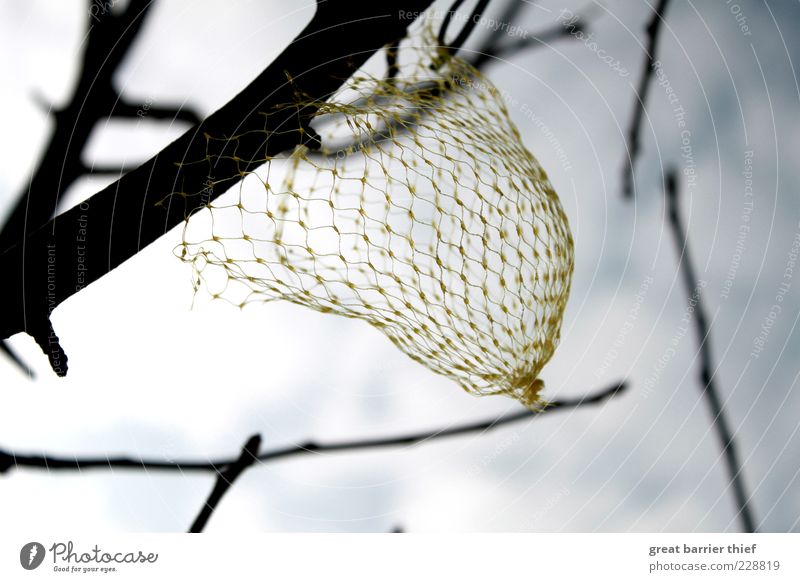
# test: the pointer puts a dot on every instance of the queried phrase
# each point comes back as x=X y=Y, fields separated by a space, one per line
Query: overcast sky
x=183 y=382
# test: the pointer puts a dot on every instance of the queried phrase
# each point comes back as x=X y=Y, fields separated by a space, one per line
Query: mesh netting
x=422 y=213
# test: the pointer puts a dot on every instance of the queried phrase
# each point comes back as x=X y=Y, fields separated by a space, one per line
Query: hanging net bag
x=421 y=213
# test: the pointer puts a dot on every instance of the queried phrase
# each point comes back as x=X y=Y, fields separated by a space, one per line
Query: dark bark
x=108 y=39
x=86 y=242
x=648 y=68
x=94 y=98
x=710 y=391
x=225 y=480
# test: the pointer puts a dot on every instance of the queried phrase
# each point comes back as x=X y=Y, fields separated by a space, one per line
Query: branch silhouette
x=495 y=47
x=633 y=141
x=225 y=479
x=492 y=49
x=10 y=460
x=710 y=391
x=466 y=30
x=83 y=244
x=108 y=40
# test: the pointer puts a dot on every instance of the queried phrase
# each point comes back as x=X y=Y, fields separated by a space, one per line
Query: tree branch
x=710 y=391
x=466 y=30
x=108 y=40
x=633 y=143
x=490 y=51
x=10 y=461
x=495 y=51
x=86 y=242
x=225 y=479
x=6 y=348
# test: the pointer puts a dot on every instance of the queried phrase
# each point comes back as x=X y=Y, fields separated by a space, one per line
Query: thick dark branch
x=86 y=242
x=491 y=50
x=225 y=479
x=10 y=460
x=707 y=367
x=633 y=141
x=108 y=40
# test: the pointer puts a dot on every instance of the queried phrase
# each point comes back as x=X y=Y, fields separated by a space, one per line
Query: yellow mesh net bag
x=422 y=213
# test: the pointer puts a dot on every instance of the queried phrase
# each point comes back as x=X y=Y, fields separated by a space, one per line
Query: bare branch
x=496 y=51
x=466 y=30
x=491 y=51
x=53 y=463
x=392 y=68
x=710 y=391
x=633 y=143
x=59 y=259
x=109 y=38
x=125 y=109
x=5 y=347
x=225 y=479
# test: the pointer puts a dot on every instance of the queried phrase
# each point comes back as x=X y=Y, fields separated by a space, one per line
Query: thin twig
x=633 y=143
x=225 y=479
x=392 y=68
x=5 y=347
x=498 y=52
x=125 y=109
x=710 y=390
x=11 y=460
x=466 y=30
x=108 y=40
x=496 y=45
x=490 y=51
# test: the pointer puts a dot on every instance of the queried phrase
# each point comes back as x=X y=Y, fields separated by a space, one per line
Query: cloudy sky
x=192 y=380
